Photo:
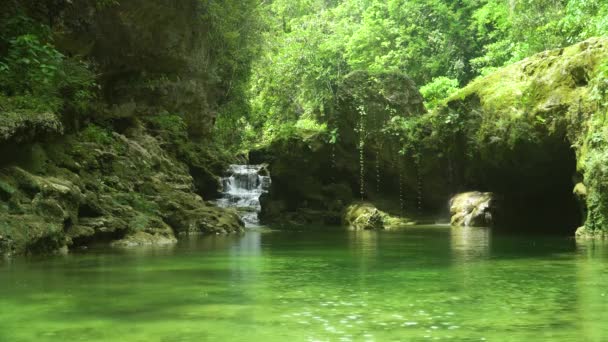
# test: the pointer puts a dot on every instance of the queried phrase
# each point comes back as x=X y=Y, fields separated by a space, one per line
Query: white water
x=242 y=190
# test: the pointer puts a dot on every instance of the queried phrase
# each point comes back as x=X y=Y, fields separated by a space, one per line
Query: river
x=315 y=284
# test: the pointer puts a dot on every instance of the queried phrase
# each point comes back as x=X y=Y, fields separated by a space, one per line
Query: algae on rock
x=101 y=186
x=365 y=216
x=528 y=132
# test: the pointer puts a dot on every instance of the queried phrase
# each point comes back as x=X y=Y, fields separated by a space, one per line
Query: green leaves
x=33 y=65
x=32 y=68
x=334 y=135
x=439 y=89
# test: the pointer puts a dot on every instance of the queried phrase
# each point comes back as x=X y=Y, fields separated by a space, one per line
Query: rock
x=24 y=127
x=365 y=216
x=207 y=220
x=145 y=239
x=472 y=209
x=529 y=128
x=580 y=191
x=6 y=245
x=584 y=233
x=129 y=191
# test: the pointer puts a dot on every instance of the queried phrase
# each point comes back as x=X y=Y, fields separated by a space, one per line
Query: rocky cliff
x=534 y=133
x=133 y=169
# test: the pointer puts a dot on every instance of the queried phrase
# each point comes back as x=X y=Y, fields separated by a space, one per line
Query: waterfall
x=242 y=189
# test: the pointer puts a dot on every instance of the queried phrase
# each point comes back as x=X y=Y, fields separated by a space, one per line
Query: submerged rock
x=145 y=239
x=472 y=209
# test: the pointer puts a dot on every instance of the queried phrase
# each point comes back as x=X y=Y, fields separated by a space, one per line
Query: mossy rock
x=99 y=187
x=530 y=130
x=145 y=239
x=365 y=216
x=23 y=127
x=472 y=209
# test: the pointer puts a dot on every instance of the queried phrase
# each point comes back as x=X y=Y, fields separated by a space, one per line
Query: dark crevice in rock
x=100 y=238
x=87 y=210
x=580 y=76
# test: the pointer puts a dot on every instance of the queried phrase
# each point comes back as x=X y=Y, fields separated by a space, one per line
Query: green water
x=414 y=285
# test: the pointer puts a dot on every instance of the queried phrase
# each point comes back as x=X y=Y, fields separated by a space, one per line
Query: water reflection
x=208 y=243
x=470 y=244
x=363 y=243
x=592 y=277
x=249 y=244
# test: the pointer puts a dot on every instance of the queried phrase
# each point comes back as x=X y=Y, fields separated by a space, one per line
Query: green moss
x=6 y=190
x=171 y=127
x=96 y=134
x=23 y=125
x=365 y=216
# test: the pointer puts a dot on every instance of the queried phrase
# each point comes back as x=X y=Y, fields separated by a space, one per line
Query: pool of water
x=425 y=283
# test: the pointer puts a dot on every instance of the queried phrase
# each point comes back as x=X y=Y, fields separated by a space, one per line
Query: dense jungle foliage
x=278 y=64
x=310 y=45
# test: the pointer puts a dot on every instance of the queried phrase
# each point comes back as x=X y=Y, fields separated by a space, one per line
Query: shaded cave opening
x=534 y=186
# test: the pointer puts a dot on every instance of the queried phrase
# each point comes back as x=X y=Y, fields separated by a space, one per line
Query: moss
x=365 y=216
x=6 y=190
x=96 y=134
x=21 y=127
x=503 y=131
x=98 y=186
x=144 y=239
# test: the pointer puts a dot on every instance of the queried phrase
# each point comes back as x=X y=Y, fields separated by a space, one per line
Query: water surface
x=420 y=284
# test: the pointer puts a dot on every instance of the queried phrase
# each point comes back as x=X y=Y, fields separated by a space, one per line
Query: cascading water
x=242 y=190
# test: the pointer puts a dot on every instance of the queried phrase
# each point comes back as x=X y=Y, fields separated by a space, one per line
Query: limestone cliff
x=133 y=168
x=532 y=131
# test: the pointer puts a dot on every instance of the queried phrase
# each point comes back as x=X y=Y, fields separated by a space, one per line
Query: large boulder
x=472 y=209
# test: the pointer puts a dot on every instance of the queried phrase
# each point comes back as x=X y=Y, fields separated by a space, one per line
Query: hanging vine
x=378 y=176
x=362 y=133
x=334 y=135
x=401 y=182
x=418 y=184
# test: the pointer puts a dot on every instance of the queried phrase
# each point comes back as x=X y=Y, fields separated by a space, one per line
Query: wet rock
x=472 y=209
x=365 y=216
x=127 y=190
x=208 y=220
x=145 y=239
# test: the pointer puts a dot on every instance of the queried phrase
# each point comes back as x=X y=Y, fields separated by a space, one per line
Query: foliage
x=96 y=134
x=34 y=73
x=439 y=89
x=309 y=46
x=513 y=30
x=171 y=127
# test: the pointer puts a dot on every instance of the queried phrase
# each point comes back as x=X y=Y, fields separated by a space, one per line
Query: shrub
x=438 y=90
